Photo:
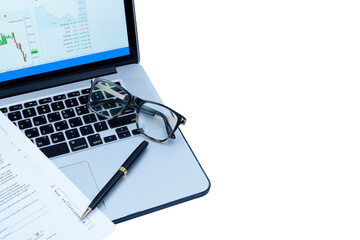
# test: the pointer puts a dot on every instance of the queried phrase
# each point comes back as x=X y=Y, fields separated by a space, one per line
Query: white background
x=271 y=93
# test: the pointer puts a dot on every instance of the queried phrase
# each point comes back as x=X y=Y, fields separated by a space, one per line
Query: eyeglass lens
x=154 y=120
x=108 y=99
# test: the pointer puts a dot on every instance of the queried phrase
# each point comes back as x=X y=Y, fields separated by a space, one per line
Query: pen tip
x=87 y=212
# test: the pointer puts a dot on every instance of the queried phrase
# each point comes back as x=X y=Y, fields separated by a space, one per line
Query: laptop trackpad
x=84 y=181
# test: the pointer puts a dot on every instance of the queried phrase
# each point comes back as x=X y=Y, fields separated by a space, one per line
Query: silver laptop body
x=167 y=174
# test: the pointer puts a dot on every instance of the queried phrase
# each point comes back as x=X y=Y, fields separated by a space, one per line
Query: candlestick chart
x=16 y=44
x=4 y=40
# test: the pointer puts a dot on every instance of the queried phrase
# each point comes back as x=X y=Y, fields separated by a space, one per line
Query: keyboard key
x=56 y=106
x=75 y=122
x=136 y=132
x=71 y=102
x=82 y=110
x=15 y=107
x=105 y=113
x=122 y=129
x=53 y=117
x=86 y=130
x=55 y=150
x=46 y=129
x=30 y=104
x=42 y=141
x=110 y=104
x=85 y=91
x=89 y=118
x=100 y=126
x=97 y=95
x=114 y=111
x=121 y=121
x=30 y=112
x=43 y=109
x=23 y=124
x=94 y=140
x=31 y=133
x=68 y=113
x=83 y=100
x=45 y=100
x=3 y=110
x=62 y=125
x=13 y=116
x=78 y=144
x=122 y=135
x=110 y=138
x=39 y=120
x=59 y=97
x=72 y=133
x=57 y=137
x=74 y=94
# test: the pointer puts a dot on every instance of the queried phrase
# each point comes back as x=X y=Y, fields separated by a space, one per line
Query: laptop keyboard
x=62 y=123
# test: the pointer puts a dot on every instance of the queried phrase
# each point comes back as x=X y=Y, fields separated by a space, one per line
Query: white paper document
x=37 y=201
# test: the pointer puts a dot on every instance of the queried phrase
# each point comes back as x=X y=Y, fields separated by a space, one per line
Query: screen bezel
x=58 y=77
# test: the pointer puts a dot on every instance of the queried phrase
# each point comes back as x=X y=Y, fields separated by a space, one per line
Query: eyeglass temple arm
x=110 y=91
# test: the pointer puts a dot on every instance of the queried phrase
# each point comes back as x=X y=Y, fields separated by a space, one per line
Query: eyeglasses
x=154 y=120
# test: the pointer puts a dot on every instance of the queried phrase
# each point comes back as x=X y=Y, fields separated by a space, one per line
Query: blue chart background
x=63 y=64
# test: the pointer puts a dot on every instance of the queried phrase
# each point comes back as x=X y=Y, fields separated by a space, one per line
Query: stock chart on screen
x=17 y=43
x=63 y=28
x=59 y=34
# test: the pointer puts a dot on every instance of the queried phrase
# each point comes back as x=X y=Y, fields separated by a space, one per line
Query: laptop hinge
x=55 y=81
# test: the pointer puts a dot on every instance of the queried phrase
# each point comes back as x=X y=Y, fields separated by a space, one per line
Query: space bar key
x=55 y=150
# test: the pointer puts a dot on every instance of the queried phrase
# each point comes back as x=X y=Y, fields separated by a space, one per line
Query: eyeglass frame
x=135 y=103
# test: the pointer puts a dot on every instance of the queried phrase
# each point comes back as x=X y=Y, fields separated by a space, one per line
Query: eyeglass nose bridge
x=135 y=102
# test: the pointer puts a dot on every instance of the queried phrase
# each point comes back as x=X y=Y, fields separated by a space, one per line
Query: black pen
x=122 y=171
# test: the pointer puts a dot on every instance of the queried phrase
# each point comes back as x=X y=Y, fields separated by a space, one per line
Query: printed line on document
x=28 y=216
x=31 y=221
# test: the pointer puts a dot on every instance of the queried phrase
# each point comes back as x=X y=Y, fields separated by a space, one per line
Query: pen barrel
x=135 y=155
x=106 y=189
x=119 y=174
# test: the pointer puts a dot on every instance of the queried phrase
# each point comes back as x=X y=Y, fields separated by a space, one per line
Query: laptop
x=50 y=50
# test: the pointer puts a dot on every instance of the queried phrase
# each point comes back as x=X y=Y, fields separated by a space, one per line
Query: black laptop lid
x=46 y=43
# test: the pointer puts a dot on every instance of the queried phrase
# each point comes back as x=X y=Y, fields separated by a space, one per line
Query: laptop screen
x=39 y=36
